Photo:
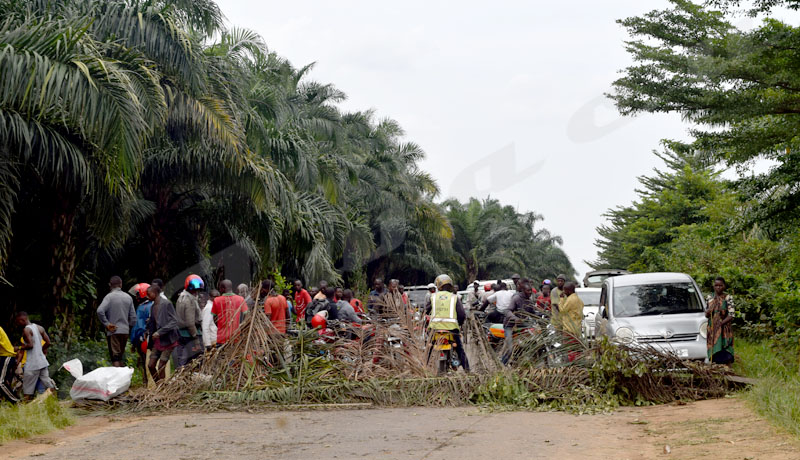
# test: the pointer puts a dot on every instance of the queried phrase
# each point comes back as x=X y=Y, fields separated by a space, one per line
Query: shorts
x=116 y=346
x=31 y=378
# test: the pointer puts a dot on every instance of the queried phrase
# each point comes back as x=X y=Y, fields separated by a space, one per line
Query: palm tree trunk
x=63 y=262
x=158 y=241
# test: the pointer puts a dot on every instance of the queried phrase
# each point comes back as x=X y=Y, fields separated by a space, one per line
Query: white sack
x=102 y=383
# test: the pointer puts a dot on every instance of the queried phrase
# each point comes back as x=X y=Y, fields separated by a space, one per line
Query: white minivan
x=662 y=310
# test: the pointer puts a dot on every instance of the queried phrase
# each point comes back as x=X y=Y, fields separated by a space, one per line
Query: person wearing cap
x=515 y=278
x=556 y=296
x=428 y=295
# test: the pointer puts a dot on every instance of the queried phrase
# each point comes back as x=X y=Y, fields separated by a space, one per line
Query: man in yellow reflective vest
x=447 y=313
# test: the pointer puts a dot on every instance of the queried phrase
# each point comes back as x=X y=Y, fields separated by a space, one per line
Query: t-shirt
x=543 y=302
x=502 y=299
x=275 y=307
x=229 y=308
x=209 y=328
x=6 y=349
x=301 y=301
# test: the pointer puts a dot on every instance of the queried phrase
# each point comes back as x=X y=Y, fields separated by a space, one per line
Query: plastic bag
x=102 y=383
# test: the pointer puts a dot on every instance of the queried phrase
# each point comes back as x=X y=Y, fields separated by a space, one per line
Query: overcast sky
x=505 y=98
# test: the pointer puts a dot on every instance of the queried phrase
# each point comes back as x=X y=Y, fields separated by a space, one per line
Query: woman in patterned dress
x=720 y=316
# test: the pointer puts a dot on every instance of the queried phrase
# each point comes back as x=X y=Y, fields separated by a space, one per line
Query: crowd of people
x=160 y=332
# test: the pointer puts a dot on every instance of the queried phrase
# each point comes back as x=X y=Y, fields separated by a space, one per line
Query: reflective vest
x=443 y=315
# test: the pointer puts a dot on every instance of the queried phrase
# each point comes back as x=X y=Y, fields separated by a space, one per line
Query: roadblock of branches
x=260 y=367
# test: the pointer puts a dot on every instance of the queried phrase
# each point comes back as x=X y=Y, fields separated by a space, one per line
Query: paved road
x=724 y=428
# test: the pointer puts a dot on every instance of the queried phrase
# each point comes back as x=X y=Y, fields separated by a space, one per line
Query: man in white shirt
x=502 y=300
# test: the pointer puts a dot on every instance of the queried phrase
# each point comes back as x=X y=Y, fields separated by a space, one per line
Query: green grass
x=776 y=396
x=29 y=419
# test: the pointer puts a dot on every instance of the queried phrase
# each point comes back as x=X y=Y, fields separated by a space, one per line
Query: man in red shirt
x=301 y=300
x=228 y=311
x=543 y=301
x=275 y=306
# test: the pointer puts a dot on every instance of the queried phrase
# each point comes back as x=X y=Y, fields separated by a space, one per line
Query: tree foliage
x=740 y=90
x=492 y=241
x=146 y=139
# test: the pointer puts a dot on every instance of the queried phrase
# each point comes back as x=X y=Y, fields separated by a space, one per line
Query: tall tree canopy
x=145 y=139
x=741 y=91
x=740 y=88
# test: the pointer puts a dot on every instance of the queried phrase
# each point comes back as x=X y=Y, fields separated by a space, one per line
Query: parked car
x=591 y=303
x=662 y=310
x=596 y=278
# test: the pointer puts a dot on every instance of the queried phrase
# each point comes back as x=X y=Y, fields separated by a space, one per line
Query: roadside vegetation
x=776 y=396
x=29 y=419
x=738 y=87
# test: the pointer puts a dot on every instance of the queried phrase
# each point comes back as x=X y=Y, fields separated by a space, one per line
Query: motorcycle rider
x=345 y=309
x=447 y=314
x=329 y=304
x=474 y=296
x=501 y=298
x=521 y=302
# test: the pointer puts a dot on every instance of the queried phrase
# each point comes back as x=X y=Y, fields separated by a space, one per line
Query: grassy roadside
x=30 y=419
x=776 y=396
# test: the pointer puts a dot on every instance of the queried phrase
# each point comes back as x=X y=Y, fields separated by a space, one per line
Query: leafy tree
x=740 y=88
x=636 y=235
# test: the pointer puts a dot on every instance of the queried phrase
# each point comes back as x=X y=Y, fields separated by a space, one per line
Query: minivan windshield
x=656 y=299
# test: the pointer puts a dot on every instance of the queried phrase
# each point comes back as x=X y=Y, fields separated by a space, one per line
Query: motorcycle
x=535 y=330
x=444 y=344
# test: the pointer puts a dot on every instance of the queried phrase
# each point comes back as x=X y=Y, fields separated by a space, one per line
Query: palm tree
x=75 y=112
x=492 y=241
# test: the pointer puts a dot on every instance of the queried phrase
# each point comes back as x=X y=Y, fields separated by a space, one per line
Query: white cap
x=431 y=286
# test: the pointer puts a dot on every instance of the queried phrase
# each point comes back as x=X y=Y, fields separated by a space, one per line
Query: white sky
x=505 y=98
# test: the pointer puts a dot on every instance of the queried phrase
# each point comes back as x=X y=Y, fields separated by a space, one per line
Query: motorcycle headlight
x=704 y=330
x=624 y=335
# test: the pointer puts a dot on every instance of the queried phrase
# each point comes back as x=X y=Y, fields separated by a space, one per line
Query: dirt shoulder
x=724 y=428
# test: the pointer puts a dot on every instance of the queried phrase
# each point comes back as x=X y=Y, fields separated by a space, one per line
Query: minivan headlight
x=704 y=330
x=624 y=335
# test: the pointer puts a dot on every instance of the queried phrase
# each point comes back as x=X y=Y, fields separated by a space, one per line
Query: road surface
x=723 y=428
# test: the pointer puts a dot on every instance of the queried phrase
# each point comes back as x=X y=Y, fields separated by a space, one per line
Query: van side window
x=603 y=296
